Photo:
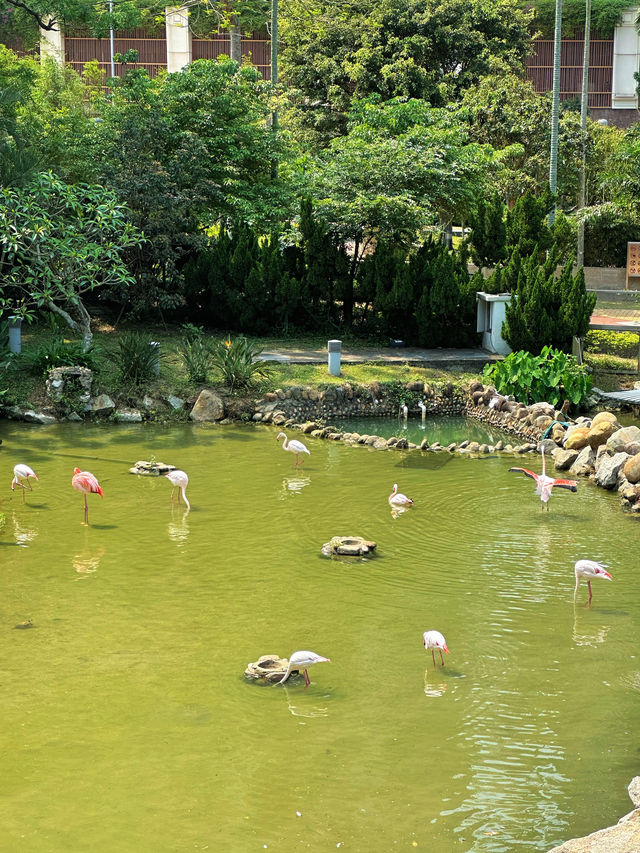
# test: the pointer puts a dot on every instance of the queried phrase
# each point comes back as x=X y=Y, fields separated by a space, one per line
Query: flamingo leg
x=433 y=657
x=24 y=500
x=30 y=486
x=86 y=509
x=172 y=491
x=307 y=680
x=590 y=596
x=441 y=658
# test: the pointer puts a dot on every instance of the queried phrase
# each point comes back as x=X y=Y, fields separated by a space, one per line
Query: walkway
x=470 y=360
x=631 y=398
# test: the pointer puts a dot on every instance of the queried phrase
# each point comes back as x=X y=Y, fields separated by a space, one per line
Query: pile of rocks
x=599 y=447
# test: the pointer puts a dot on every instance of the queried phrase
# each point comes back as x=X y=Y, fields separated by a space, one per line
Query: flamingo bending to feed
x=85 y=482
x=435 y=640
x=294 y=446
x=590 y=569
x=303 y=660
x=396 y=498
x=545 y=484
x=179 y=479
x=22 y=472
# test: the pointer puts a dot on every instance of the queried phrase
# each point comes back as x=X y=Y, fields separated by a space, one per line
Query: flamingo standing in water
x=179 y=479
x=85 y=482
x=545 y=484
x=303 y=660
x=435 y=640
x=396 y=498
x=22 y=472
x=294 y=446
x=590 y=569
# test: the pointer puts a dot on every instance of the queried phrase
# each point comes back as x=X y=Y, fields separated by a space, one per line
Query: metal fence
x=540 y=69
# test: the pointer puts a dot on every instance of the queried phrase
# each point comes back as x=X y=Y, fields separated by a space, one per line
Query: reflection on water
x=433 y=686
x=22 y=534
x=178 y=528
x=585 y=634
x=397 y=511
x=86 y=563
x=297 y=708
x=294 y=484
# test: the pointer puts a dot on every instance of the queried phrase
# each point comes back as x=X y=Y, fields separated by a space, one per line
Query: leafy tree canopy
x=605 y=14
x=428 y=49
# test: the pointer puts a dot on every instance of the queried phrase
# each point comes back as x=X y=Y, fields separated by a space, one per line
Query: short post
x=577 y=349
x=155 y=349
x=335 y=348
x=15 y=339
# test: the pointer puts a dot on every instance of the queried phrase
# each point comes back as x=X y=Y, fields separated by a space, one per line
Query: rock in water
x=348 y=546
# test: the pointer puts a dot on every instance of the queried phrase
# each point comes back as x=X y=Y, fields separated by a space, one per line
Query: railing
x=540 y=69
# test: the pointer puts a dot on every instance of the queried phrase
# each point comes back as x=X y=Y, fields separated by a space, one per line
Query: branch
x=65 y=316
x=50 y=23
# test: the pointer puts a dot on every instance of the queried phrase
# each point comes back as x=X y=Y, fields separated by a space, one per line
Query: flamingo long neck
x=184 y=495
x=285 y=443
x=543 y=468
x=575 y=594
x=286 y=675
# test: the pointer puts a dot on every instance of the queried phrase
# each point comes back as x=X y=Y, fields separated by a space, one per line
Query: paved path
x=632 y=397
x=459 y=359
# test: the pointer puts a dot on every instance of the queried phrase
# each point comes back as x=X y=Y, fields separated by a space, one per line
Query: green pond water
x=442 y=429
x=127 y=724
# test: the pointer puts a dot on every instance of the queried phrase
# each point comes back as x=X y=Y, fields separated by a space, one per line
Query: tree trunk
x=235 y=38
x=555 y=109
x=80 y=327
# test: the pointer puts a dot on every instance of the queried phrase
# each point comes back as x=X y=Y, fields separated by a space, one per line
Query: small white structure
x=334 y=349
x=491 y=312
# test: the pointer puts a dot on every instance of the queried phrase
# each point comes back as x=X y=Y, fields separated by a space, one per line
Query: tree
x=426 y=49
x=488 y=232
x=59 y=242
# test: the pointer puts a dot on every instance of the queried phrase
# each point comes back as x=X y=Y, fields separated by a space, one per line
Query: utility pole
x=582 y=197
x=555 y=108
x=274 y=75
x=113 y=67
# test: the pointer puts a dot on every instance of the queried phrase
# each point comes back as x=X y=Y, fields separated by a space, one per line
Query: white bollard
x=15 y=339
x=334 y=348
x=155 y=346
x=423 y=409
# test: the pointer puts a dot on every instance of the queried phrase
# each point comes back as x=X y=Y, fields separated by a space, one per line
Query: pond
x=127 y=722
x=444 y=430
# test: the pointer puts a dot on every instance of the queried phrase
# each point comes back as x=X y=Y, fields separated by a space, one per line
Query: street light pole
x=555 y=108
x=582 y=198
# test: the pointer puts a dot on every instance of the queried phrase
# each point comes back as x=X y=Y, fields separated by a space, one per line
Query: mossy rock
x=348 y=546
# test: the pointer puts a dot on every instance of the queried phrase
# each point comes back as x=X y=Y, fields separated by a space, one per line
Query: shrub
x=552 y=376
x=623 y=344
x=136 y=359
x=195 y=353
x=57 y=353
x=238 y=362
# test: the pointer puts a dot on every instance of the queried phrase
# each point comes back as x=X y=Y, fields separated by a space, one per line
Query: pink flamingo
x=435 y=640
x=545 y=484
x=85 y=482
x=396 y=498
x=22 y=472
x=589 y=569
x=179 y=480
x=294 y=446
x=303 y=660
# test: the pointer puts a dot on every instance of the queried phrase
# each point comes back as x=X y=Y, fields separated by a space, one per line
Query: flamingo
x=589 y=569
x=179 y=479
x=435 y=640
x=294 y=446
x=85 y=482
x=303 y=660
x=545 y=484
x=22 y=472
x=398 y=499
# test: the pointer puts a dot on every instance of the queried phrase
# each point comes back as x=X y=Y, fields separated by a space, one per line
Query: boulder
x=541 y=422
x=600 y=432
x=548 y=445
x=576 y=438
x=608 y=468
x=585 y=462
x=102 y=405
x=542 y=409
x=348 y=546
x=268 y=668
x=208 y=407
x=128 y=416
x=175 y=403
x=557 y=433
x=380 y=444
x=151 y=469
x=563 y=458
x=605 y=417
x=622 y=437
x=38 y=417
x=309 y=427
x=632 y=469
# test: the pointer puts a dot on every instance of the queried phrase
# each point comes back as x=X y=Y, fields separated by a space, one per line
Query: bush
x=195 y=353
x=552 y=376
x=605 y=239
x=57 y=353
x=137 y=361
x=238 y=362
x=623 y=344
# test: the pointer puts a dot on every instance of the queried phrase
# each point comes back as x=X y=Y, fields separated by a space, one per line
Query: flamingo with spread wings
x=545 y=484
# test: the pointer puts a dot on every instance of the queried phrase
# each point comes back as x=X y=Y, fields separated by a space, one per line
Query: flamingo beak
x=605 y=575
x=445 y=649
x=34 y=476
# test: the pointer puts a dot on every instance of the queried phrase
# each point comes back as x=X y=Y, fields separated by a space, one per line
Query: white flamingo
x=179 y=480
x=396 y=498
x=588 y=570
x=294 y=446
x=303 y=660
x=435 y=640
x=545 y=484
x=22 y=472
